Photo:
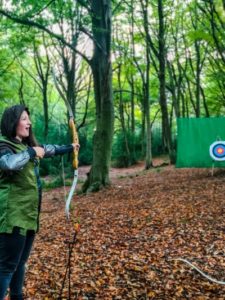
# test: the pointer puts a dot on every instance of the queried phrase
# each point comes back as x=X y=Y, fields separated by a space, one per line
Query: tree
x=100 y=15
x=146 y=84
x=101 y=66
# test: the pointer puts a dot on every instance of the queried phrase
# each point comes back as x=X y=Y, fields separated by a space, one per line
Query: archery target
x=217 y=151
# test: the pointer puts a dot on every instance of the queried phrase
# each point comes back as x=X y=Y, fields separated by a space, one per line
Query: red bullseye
x=217 y=151
x=220 y=150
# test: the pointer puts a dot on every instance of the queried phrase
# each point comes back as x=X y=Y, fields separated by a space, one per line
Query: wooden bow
x=75 y=140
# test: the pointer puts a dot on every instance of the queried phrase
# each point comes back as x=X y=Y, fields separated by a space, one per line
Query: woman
x=20 y=195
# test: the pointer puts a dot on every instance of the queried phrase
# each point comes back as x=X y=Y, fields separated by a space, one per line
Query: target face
x=217 y=151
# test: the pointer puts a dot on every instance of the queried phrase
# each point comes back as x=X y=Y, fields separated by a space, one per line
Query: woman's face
x=23 y=127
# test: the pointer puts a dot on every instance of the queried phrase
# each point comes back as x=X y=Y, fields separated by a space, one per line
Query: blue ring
x=215 y=148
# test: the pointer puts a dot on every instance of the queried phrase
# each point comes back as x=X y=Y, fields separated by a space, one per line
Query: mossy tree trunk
x=102 y=74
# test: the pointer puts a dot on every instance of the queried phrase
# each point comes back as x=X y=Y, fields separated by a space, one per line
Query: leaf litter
x=130 y=235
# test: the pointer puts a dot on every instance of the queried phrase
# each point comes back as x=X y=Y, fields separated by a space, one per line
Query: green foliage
x=58 y=134
x=157 y=145
x=85 y=154
x=187 y=23
x=120 y=156
x=199 y=35
x=54 y=183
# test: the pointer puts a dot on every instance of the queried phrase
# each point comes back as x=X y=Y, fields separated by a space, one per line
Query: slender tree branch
x=84 y=4
x=8 y=66
x=27 y=22
x=57 y=86
x=126 y=91
x=86 y=105
x=40 y=10
x=84 y=30
x=28 y=72
x=117 y=6
x=154 y=118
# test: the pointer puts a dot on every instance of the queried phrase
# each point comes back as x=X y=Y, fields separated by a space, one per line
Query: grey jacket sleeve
x=52 y=150
x=11 y=161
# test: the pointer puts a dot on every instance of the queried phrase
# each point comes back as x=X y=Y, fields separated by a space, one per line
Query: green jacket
x=19 y=198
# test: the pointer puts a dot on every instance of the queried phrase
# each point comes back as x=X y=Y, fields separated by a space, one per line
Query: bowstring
x=70 y=244
x=63 y=177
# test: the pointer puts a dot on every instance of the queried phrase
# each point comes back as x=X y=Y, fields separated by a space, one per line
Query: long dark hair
x=9 y=123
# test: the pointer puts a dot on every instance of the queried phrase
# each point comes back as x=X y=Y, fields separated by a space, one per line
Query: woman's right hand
x=40 y=152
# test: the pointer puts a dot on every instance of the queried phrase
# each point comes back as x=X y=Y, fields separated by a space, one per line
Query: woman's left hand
x=76 y=146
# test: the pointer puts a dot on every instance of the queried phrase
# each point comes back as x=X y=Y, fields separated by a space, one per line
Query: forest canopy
x=128 y=69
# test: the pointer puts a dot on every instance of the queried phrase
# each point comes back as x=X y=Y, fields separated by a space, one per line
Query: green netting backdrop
x=194 y=136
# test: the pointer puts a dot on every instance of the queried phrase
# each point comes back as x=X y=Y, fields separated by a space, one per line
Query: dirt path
x=117 y=173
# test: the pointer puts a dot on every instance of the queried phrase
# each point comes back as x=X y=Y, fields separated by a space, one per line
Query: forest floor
x=131 y=235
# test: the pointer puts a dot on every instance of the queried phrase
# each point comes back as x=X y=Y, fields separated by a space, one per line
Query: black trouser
x=14 y=252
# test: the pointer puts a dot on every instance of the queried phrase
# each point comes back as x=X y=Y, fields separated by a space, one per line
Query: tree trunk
x=43 y=69
x=146 y=83
x=102 y=74
x=21 y=96
x=205 y=103
x=148 y=157
x=45 y=107
x=122 y=120
x=197 y=79
x=143 y=135
x=162 y=82
x=131 y=83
